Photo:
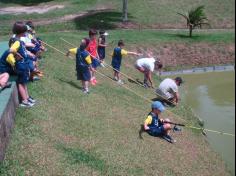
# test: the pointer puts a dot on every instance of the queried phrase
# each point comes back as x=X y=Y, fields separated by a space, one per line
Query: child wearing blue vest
x=155 y=126
x=83 y=64
x=117 y=56
x=7 y=63
x=21 y=66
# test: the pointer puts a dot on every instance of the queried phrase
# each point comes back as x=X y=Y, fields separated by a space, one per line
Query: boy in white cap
x=155 y=126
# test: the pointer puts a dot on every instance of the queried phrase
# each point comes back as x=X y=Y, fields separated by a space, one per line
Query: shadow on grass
x=71 y=83
x=25 y=2
x=79 y=156
x=99 y=20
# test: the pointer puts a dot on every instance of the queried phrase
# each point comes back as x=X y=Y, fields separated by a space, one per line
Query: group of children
x=22 y=59
x=25 y=49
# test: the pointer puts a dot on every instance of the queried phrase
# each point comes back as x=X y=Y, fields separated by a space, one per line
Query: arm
x=147 y=122
x=133 y=53
x=100 y=43
x=71 y=51
x=176 y=98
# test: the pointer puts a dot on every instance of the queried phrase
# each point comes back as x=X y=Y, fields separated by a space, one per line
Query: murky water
x=212 y=97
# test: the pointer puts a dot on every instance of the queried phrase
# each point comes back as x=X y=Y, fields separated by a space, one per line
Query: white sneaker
x=115 y=78
x=26 y=104
x=120 y=82
x=102 y=65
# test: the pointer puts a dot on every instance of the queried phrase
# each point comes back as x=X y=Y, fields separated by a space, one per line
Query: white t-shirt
x=168 y=87
x=147 y=63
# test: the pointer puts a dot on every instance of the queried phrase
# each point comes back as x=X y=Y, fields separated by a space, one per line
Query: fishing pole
x=187 y=126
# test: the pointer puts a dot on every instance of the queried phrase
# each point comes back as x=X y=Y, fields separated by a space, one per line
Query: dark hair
x=179 y=79
x=102 y=32
x=19 y=27
x=121 y=43
x=11 y=41
x=84 y=43
x=30 y=24
x=93 y=32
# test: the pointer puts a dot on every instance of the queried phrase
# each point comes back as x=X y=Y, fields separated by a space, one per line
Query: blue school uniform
x=5 y=66
x=101 y=49
x=82 y=65
x=117 y=55
x=156 y=127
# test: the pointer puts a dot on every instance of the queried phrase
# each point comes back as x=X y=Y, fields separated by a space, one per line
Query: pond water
x=212 y=98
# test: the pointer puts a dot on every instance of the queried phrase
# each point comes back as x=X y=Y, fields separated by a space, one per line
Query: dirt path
x=72 y=16
x=40 y=9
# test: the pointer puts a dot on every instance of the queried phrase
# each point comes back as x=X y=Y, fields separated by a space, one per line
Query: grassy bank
x=69 y=133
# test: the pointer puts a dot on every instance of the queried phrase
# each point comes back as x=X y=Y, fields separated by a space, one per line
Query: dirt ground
x=31 y=9
x=201 y=54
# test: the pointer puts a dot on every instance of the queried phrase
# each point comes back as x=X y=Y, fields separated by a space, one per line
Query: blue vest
x=117 y=56
x=155 y=121
x=4 y=65
x=80 y=58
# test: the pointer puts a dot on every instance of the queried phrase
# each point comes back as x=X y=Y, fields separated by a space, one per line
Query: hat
x=158 y=105
x=179 y=79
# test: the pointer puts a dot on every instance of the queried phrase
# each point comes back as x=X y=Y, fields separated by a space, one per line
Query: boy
x=155 y=126
x=147 y=66
x=117 y=56
x=168 y=89
x=22 y=68
x=92 y=50
x=102 y=45
x=83 y=64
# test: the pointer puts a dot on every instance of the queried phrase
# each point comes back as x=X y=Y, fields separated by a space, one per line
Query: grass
x=157 y=14
x=69 y=133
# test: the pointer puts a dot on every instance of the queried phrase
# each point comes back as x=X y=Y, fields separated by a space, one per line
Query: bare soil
x=40 y=9
x=199 y=54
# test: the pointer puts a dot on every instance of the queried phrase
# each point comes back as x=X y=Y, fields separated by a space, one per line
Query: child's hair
x=101 y=32
x=93 y=32
x=121 y=43
x=19 y=27
x=30 y=24
x=158 y=64
x=11 y=41
x=84 y=43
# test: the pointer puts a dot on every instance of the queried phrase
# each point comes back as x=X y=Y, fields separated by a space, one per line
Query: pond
x=212 y=98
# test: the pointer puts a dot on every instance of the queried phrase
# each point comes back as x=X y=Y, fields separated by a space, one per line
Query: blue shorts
x=95 y=63
x=83 y=73
x=101 y=53
x=22 y=71
x=157 y=131
x=116 y=67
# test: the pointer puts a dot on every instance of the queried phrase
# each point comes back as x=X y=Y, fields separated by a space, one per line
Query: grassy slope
x=163 y=13
x=69 y=133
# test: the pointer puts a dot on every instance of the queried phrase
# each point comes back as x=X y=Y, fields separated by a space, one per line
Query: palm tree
x=195 y=18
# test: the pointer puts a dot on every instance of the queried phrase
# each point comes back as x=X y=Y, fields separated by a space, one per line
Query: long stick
x=187 y=126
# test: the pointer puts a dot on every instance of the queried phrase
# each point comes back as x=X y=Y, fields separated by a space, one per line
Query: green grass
x=157 y=14
x=69 y=133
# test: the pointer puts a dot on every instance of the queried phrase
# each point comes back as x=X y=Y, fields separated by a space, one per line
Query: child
x=147 y=66
x=92 y=50
x=155 y=126
x=22 y=68
x=117 y=55
x=83 y=64
x=102 y=46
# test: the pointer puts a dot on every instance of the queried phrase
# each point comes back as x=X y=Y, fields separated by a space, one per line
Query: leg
x=22 y=92
x=3 y=79
x=167 y=126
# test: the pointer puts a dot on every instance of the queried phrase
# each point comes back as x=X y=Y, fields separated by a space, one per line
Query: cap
x=158 y=105
x=179 y=79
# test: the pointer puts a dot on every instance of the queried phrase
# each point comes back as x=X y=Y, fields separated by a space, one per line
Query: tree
x=195 y=18
x=125 y=10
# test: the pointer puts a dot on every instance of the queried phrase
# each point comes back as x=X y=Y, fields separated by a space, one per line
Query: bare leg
x=22 y=92
x=3 y=79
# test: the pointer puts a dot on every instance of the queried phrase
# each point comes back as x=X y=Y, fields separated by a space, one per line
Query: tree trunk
x=190 y=30
x=125 y=10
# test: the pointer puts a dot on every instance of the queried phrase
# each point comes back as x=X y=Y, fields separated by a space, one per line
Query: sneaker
x=85 y=91
x=36 y=78
x=115 y=78
x=93 y=81
x=120 y=82
x=102 y=65
x=31 y=100
x=145 y=85
x=8 y=85
x=168 y=138
x=26 y=104
x=176 y=128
